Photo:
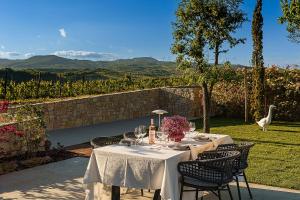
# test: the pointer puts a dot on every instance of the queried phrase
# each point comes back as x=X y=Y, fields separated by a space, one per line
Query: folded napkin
x=196 y=149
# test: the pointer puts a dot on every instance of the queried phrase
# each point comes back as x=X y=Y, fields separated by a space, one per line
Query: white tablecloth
x=147 y=167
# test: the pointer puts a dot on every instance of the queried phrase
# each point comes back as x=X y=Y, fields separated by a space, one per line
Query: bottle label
x=151 y=136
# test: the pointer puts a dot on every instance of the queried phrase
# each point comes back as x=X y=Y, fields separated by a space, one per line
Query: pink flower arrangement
x=175 y=126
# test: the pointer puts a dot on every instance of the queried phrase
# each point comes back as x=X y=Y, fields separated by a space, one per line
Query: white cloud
x=62 y=32
x=86 y=55
x=9 y=55
x=14 y=55
x=28 y=55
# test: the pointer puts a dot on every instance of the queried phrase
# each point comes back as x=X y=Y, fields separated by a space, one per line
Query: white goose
x=265 y=122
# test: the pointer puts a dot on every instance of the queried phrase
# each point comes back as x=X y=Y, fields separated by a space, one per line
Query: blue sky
x=110 y=29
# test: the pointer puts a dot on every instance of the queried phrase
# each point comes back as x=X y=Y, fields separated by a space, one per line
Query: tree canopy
x=210 y=22
x=201 y=24
x=291 y=16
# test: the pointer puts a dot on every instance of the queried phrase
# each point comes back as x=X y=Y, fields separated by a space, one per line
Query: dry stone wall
x=85 y=111
x=184 y=101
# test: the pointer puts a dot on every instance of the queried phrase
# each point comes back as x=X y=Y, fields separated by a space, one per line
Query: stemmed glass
x=192 y=126
x=137 y=134
x=165 y=132
x=142 y=131
x=160 y=134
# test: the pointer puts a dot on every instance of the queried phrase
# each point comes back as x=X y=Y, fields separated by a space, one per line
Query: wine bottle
x=152 y=132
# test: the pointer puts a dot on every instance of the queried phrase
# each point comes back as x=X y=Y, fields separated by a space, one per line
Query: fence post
x=38 y=85
x=83 y=83
x=246 y=94
x=59 y=85
x=5 y=83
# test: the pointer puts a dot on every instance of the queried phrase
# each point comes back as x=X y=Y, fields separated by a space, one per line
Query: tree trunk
x=217 y=52
x=206 y=108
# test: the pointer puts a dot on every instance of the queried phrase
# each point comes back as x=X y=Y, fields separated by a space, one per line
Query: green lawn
x=275 y=159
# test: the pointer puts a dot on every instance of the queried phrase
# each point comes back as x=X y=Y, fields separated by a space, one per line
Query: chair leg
x=250 y=194
x=229 y=191
x=142 y=192
x=157 y=195
x=202 y=197
x=115 y=193
x=181 y=191
x=238 y=187
x=197 y=194
x=219 y=194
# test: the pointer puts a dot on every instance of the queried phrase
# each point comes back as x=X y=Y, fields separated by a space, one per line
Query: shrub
x=282 y=90
x=22 y=131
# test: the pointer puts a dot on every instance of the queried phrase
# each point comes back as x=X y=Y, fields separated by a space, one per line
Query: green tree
x=199 y=24
x=258 y=62
x=223 y=18
x=291 y=16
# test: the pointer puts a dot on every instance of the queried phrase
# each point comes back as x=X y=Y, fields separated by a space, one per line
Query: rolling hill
x=52 y=66
x=144 y=66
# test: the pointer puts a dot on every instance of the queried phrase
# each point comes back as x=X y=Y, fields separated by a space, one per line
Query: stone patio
x=63 y=180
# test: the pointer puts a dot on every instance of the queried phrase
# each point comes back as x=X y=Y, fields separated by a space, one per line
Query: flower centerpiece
x=175 y=126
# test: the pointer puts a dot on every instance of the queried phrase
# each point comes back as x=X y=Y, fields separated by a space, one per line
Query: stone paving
x=73 y=136
x=63 y=181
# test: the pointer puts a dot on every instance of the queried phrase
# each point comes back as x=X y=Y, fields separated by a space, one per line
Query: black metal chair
x=211 y=171
x=130 y=135
x=241 y=163
x=104 y=141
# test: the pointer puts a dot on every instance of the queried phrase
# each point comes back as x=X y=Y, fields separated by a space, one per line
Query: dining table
x=144 y=166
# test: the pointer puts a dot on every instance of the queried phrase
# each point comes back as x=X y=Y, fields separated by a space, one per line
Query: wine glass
x=166 y=134
x=142 y=131
x=192 y=126
x=160 y=134
x=137 y=134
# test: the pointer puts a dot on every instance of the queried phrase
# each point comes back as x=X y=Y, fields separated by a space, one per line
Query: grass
x=275 y=158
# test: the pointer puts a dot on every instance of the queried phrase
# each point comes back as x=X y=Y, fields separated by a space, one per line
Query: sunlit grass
x=275 y=158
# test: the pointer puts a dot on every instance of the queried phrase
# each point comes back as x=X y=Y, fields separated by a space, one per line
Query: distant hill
x=49 y=61
x=6 y=61
x=145 y=66
x=74 y=69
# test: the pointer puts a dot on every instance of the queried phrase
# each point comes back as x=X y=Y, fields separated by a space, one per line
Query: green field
x=275 y=158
